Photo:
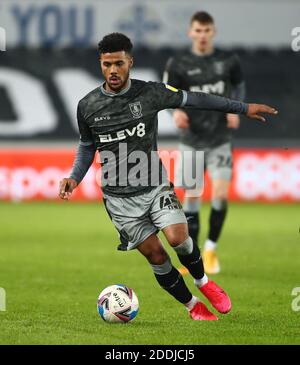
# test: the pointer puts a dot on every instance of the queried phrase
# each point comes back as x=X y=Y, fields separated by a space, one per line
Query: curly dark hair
x=115 y=42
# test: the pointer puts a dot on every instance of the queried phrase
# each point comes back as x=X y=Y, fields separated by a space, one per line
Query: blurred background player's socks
x=189 y=255
x=191 y=209
x=210 y=245
x=216 y=219
x=193 y=224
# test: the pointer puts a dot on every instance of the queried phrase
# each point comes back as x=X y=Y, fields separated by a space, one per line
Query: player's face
x=115 y=67
x=202 y=35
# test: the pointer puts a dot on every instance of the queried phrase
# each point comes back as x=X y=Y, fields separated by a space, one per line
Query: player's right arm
x=83 y=160
x=172 y=77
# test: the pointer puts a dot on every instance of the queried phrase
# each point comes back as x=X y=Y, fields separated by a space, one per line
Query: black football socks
x=174 y=284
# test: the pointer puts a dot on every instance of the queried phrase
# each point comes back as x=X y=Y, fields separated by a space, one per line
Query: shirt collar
x=207 y=55
x=112 y=94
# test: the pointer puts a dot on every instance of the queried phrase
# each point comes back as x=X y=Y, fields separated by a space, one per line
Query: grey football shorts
x=217 y=160
x=137 y=217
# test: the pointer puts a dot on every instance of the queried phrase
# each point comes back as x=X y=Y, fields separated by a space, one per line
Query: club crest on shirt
x=136 y=109
x=219 y=67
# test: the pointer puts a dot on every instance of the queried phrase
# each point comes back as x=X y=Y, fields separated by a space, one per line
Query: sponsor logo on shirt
x=138 y=130
x=217 y=88
x=195 y=71
x=105 y=117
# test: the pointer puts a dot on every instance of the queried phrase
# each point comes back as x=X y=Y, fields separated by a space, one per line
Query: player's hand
x=181 y=119
x=233 y=121
x=66 y=187
x=255 y=111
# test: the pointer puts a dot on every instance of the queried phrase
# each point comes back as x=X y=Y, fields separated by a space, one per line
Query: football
x=117 y=304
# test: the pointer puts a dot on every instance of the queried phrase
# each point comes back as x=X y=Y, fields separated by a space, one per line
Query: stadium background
x=51 y=62
x=51 y=269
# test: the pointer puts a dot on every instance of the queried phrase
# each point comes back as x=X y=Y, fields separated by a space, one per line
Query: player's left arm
x=238 y=91
x=203 y=101
x=168 y=97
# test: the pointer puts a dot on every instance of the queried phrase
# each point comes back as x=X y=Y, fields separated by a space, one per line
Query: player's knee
x=176 y=237
x=157 y=256
x=219 y=204
x=220 y=192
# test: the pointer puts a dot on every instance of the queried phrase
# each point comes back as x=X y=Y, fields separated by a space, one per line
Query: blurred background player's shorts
x=216 y=160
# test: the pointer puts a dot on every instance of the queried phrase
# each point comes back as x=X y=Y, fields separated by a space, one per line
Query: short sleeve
x=236 y=73
x=168 y=97
x=171 y=75
x=84 y=130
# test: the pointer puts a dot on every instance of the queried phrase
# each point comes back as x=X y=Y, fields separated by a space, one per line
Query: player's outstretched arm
x=205 y=101
x=84 y=159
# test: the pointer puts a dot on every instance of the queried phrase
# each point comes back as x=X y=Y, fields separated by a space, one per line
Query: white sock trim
x=210 y=245
x=190 y=305
x=200 y=282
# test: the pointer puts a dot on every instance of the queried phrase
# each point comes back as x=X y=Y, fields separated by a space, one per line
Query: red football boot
x=217 y=296
x=201 y=313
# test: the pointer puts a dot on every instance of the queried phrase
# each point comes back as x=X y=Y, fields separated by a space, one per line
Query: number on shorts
x=224 y=161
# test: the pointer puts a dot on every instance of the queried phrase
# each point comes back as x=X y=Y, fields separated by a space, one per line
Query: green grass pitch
x=56 y=258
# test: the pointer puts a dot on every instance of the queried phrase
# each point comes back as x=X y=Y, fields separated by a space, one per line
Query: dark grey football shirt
x=123 y=128
x=219 y=74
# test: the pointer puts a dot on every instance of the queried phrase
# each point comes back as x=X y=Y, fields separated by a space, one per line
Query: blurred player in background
x=209 y=70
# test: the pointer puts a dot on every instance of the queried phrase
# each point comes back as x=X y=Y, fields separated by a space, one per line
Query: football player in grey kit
x=119 y=119
x=218 y=72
